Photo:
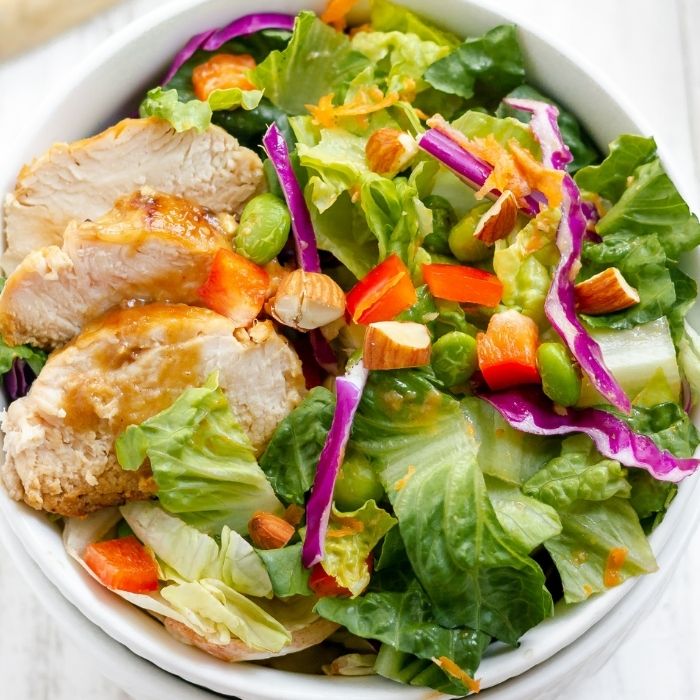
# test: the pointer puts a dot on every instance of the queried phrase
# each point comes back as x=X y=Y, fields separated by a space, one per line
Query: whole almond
x=604 y=293
x=389 y=151
x=498 y=221
x=268 y=531
x=307 y=300
x=396 y=345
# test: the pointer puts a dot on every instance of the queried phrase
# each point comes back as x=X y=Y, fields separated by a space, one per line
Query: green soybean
x=263 y=229
x=357 y=483
x=462 y=243
x=560 y=379
x=444 y=219
x=453 y=358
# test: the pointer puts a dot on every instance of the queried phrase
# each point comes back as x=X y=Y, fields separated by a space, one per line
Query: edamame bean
x=357 y=483
x=263 y=229
x=453 y=358
x=462 y=243
x=560 y=379
x=444 y=219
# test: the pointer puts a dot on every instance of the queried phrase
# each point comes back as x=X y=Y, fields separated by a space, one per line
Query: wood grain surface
x=649 y=50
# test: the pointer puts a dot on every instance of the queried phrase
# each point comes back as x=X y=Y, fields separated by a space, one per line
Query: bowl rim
x=248 y=679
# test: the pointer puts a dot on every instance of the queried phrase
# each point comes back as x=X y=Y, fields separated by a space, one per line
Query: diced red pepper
x=236 y=287
x=324 y=585
x=222 y=71
x=383 y=293
x=123 y=564
x=463 y=284
x=508 y=350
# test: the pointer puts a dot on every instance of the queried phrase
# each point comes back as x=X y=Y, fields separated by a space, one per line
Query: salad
x=352 y=354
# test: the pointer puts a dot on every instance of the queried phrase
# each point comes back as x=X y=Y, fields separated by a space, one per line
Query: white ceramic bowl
x=94 y=97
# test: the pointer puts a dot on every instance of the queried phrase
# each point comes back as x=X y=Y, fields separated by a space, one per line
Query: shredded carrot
x=348 y=526
x=293 y=514
x=514 y=167
x=615 y=562
x=408 y=94
x=367 y=27
x=401 y=483
x=336 y=13
x=421 y=114
x=365 y=101
x=451 y=668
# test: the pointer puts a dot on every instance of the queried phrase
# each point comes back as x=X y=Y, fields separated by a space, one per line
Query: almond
x=499 y=220
x=604 y=293
x=395 y=345
x=307 y=300
x=268 y=531
x=389 y=151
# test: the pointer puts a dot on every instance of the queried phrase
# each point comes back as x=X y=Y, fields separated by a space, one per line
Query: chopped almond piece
x=604 y=293
x=396 y=345
x=389 y=151
x=499 y=220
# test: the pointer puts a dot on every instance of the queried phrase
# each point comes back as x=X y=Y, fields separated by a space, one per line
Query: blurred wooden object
x=25 y=23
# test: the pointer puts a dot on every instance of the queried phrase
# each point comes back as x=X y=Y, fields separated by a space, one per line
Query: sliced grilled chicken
x=83 y=179
x=149 y=247
x=126 y=367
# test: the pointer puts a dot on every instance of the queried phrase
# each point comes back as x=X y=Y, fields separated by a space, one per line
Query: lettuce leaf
x=668 y=425
x=288 y=576
x=476 y=124
x=405 y=621
x=399 y=59
x=575 y=137
x=202 y=461
x=387 y=16
x=350 y=539
x=651 y=205
x=591 y=495
x=34 y=357
x=195 y=114
x=191 y=555
x=475 y=574
x=609 y=179
x=231 y=614
x=318 y=61
x=486 y=67
x=290 y=459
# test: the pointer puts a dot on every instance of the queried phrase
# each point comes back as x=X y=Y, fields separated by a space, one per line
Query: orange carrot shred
x=451 y=668
x=336 y=13
x=365 y=101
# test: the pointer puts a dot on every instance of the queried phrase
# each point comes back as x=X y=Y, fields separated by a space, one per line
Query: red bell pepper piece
x=507 y=352
x=123 y=564
x=463 y=284
x=383 y=293
x=324 y=585
x=236 y=287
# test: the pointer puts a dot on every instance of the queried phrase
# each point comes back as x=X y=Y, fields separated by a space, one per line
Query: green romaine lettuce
x=387 y=16
x=475 y=573
x=406 y=621
x=476 y=124
x=287 y=574
x=350 y=539
x=485 y=68
x=292 y=454
x=34 y=357
x=318 y=61
x=202 y=461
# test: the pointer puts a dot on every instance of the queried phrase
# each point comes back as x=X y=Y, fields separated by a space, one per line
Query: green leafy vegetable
x=292 y=454
x=202 y=461
x=287 y=574
x=318 y=61
x=428 y=465
x=406 y=622
x=34 y=357
x=476 y=124
x=486 y=67
x=350 y=539
x=387 y=16
x=575 y=137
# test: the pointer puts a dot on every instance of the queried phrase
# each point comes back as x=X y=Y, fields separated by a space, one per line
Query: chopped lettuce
x=318 y=61
x=287 y=574
x=202 y=461
x=486 y=67
x=476 y=124
x=34 y=357
x=420 y=441
x=195 y=114
x=387 y=16
x=292 y=454
x=350 y=539
x=575 y=137
x=406 y=621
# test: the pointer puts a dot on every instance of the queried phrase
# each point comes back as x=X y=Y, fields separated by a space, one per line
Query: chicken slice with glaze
x=82 y=180
x=122 y=369
x=149 y=247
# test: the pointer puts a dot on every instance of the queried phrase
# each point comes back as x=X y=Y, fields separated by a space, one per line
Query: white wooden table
x=649 y=51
